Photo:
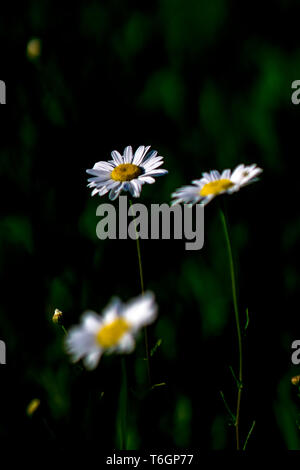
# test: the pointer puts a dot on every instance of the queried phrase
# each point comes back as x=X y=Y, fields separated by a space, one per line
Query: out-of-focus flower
x=214 y=183
x=127 y=172
x=33 y=406
x=113 y=331
x=34 y=48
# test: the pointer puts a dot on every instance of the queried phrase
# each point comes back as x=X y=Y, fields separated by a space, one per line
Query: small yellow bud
x=295 y=380
x=34 y=48
x=57 y=317
x=33 y=406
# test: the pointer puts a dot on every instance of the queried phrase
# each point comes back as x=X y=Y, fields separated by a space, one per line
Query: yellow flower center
x=109 y=335
x=125 y=172
x=216 y=187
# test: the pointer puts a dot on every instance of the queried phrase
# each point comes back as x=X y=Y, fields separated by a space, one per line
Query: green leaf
x=157 y=345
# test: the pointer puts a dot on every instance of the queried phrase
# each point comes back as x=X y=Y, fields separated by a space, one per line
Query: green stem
x=227 y=407
x=140 y=263
x=123 y=408
x=143 y=291
x=64 y=330
x=249 y=434
x=238 y=327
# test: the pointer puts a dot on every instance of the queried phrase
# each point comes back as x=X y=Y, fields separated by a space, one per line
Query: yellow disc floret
x=109 y=335
x=216 y=187
x=125 y=172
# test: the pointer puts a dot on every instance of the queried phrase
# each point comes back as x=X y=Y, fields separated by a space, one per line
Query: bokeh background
x=207 y=84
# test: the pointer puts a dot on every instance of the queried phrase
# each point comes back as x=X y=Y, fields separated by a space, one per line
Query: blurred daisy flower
x=127 y=172
x=113 y=331
x=214 y=183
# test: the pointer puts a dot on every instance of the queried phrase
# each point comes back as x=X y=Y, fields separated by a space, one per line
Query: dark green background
x=207 y=84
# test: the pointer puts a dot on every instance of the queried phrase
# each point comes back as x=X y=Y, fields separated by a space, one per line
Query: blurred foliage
x=208 y=85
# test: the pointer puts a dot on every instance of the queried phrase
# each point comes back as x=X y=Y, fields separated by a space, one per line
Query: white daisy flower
x=113 y=331
x=214 y=183
x=125 y=172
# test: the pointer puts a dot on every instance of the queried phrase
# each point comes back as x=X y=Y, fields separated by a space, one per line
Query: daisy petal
x=91 y=360
x=112 y=311
x=117 y=157
x=138 y=155
x=147 y=179
x=151 y=166
x=127 y=154
x=156 y=172
x=226 y=174
x=141 y=311
x=79 y=342
x=138 y=159
x=104 y=166
x=135 y=188
x=127 y=344
x=95 y=191
x=215 y=175
x=115 y=192
x=207 y=176
x=150 y=156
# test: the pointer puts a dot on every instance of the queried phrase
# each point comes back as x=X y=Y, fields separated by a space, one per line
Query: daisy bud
x=33 y=406
x=57 y=317
x=34 y=48
x=295 y=380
